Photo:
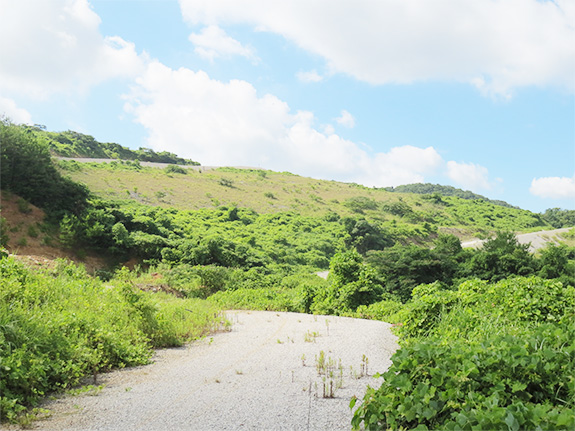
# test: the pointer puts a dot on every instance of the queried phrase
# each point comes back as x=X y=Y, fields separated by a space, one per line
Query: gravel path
x=537 y=239
x=251 y=378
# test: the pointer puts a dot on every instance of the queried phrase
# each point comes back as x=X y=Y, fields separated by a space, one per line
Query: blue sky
x=477 y=95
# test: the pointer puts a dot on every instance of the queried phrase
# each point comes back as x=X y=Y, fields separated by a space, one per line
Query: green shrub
x=352 y=283
x=257 y=299
x=59 y=325
x=32 y=231
x=502 y=382
x=4 y=237
x=175 y=169
x=478 y=307
x=487 y=356
x=386 y=310
x=226 y=182
x=23 y=206
x=199 y=281
x=359 y=204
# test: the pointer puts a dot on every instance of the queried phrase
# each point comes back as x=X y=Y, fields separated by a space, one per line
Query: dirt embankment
x=33 y=241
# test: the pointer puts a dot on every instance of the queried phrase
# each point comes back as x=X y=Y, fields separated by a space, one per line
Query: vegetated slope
x=26 y=234
x=272 y=192
x=428 y=188
x=74 y=144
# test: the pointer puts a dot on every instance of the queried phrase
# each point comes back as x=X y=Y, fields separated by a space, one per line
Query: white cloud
x=553 y=187
x=55 y=46
x=346 y=119
x=310 y=76
x=213 y=42
x=469 y=175
x=228 y=123
x=403 y=165
x=9 y=109
x=496 y=45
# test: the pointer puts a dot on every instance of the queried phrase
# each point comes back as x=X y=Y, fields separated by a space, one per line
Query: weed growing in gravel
x=88 y=389
x=364 y=364
x=331 y=372
x=310 y=337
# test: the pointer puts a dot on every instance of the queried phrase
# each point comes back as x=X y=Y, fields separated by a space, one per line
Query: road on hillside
x=261 y=375
x=147 y=164
x=537 y=239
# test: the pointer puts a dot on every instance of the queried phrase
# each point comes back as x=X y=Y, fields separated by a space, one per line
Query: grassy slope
x=269 y=192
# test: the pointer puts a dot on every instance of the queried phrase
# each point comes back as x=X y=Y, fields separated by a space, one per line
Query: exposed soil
x=32 y=241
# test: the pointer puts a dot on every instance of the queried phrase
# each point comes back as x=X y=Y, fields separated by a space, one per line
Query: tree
x=554 y=262
x=365 y=236
x=558 y=217
x=353 y=283
x=27 y=170
x=501 y=257
x=405 y=267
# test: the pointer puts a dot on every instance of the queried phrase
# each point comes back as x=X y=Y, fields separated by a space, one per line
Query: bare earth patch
x=30 y=244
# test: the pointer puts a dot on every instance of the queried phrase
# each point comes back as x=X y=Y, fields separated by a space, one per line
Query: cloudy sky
x=474 y=94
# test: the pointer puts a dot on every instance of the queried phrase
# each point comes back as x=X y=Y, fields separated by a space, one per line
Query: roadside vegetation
x=60 y=325
x=485 y=356
x=469 y=320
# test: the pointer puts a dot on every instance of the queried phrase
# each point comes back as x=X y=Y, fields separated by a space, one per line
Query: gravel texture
x=251 y=378
x=536 y=240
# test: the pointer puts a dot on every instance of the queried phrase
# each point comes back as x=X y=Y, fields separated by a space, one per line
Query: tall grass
x=59 y=325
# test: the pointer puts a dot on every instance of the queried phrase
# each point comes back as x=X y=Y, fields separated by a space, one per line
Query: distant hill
x=74 y=144
x=410 y=215
x=407 y=216
x=428 y=188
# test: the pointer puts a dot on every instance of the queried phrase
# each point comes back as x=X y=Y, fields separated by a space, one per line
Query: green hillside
x=428 y=189
x=239 y=238
x=273 y=192
x=75 y=144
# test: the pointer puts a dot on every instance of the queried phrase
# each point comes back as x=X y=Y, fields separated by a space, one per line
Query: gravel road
x=148 y=164
x=251 y=378
x=536 y=239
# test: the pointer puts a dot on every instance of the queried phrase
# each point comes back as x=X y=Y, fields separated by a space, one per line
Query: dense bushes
x=558 y=217
x=74 y=144
x=502 y=382
x=402 y=268
x=229 y=237
x=26 y=169
x=487 y=356
x=58 y=325
x=352 y=283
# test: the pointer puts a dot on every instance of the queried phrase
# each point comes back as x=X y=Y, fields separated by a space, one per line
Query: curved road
x=536 y=239
x=261 y=375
